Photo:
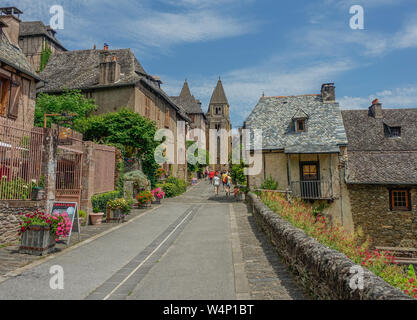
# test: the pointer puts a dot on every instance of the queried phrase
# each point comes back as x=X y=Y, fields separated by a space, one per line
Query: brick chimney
x=9 y=16
x=328 y=92
x=375 y=110
x=109 y=69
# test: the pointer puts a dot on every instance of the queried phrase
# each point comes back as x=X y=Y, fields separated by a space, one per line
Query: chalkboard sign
x=71 y=209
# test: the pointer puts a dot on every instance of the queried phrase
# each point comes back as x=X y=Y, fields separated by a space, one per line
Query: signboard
x=71 y=209
x=64 y=136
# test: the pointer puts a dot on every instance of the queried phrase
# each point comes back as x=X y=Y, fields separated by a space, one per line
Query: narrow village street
x=196 y=246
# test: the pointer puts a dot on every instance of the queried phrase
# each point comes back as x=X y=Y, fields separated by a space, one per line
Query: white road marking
x=147 y=258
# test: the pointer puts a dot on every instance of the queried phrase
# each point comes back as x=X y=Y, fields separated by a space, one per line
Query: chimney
x=9 y=16
x=328 y=92
x=109 y=69
x=375 y=110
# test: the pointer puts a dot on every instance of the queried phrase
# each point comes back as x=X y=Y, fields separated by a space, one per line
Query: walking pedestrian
x=228 y=184
x=216 y=182
x=211 y=176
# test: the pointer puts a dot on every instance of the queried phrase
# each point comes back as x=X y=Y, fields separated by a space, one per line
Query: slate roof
x=37 y=28
x=80 y=70
x=187 y=101
x=219 y=96
x=324 y=126
x=376 y=159
x=14 y=57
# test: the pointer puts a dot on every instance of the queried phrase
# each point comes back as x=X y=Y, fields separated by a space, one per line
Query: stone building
x=18 y=79
x=304 y=148
x=115 y=79
x=218 y=118
x=35 y=38
x=192 y=107
x=382 y=173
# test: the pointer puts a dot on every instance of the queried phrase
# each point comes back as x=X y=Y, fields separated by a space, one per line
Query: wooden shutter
x=4 y=95
x=15 y=94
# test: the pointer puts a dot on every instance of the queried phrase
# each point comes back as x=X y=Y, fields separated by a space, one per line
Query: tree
x=199 y=154
x=128 y=130
x=68 y=102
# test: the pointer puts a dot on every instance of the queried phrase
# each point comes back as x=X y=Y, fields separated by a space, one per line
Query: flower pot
x=156 y=201
x=96 y=218
x=37 y=240
x=144 y=205
x=115 y=214
x=38 y=194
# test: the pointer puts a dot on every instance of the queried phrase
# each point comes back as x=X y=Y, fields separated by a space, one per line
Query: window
x=400 y=200
x=309 y=172
x=301 y=125
x=218 y=110
x=392 y=132
x=167 y=118
x=158 y=114
x=396 y=132
x=4 y=96
x=147 y=108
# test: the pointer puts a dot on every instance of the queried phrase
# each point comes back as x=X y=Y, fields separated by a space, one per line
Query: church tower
x=218 y=117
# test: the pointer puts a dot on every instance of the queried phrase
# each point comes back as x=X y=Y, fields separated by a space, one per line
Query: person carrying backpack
x=228 y=182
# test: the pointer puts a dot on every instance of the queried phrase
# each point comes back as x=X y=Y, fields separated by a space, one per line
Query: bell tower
x=218 y=118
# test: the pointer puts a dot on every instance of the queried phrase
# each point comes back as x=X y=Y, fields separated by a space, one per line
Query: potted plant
x=40 y=231
x=160 y=173
x=238 y=194
x=158 y=194
x=119 y=208
x=96 y=217
x=144 y=198
x=38 y=190
x=82 y=215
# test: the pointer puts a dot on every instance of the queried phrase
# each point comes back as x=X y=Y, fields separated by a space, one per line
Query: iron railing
x=20 y=160
x=312 y=190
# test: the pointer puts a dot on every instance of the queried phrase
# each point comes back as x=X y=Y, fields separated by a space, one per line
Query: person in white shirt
x=216 y=183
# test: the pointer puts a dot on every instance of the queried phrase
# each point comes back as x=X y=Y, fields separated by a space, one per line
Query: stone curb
x=242 y=290
x=323 y=271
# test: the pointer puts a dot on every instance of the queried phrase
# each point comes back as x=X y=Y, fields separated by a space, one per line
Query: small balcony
x=312 y=190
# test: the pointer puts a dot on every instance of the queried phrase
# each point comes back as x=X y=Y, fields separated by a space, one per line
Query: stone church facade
x=218 y=121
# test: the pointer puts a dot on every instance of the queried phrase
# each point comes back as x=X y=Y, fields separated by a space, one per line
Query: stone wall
x=9 y=219
x=370 y=205
x=324 y=272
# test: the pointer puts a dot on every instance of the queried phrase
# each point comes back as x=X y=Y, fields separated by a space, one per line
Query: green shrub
x=171 y=190
x=82 y=214
x=269 y=184
x=99 y=201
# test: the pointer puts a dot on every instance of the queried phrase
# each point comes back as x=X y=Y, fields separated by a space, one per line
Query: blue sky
x=276 y=47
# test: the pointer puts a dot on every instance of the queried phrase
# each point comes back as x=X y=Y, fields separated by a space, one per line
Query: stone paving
x=11 y=259
x=258 y=272
x=269 y=278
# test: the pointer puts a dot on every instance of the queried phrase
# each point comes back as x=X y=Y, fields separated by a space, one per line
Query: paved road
x=180 y=250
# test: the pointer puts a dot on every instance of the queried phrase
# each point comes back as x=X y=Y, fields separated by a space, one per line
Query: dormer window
x=301 y=125
x=392 y=132
x=300 y=121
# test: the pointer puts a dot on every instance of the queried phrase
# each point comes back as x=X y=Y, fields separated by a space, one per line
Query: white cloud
x=244 y=87
x=405 y=97
x=165 y=29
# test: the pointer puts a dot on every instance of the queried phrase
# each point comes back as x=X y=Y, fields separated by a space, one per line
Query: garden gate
x=69 y=169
